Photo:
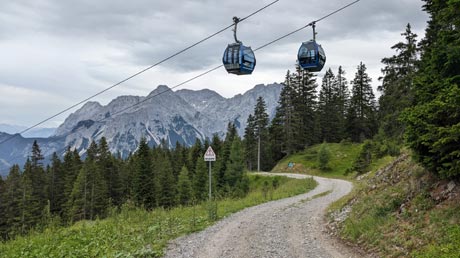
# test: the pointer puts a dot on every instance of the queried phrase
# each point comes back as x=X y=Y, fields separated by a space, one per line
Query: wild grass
x=135 y=232
x=394 y=215
x=342 y=156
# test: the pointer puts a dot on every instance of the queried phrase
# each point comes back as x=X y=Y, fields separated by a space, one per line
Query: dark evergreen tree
x=4 y=228
x=200 y=179
x=15 y=200
x=261 y=121
x=329 y=113
x=361 y=120
x=234 y=172
x=250 y=143
x=224 y=154
x=90 y=197
x=56 y=185
x=432 y=125
x=397 y=83
x=145 y=183
x=167 y=190
x=284 y=120
x=184 y=187
x=110 y=172
x=34 y=175
x=71 y=165
x=304 y=103
x=194 y=152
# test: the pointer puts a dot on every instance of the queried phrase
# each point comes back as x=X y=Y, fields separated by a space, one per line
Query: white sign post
x=210 y=156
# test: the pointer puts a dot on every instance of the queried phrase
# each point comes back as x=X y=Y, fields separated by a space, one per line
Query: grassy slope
x=342 y=158
x=394 y=214
x=134 y=232
x=393 y=211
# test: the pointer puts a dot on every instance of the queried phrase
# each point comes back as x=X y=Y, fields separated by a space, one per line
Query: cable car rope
x=202 y=74
x=219 y=66
x=140 y=72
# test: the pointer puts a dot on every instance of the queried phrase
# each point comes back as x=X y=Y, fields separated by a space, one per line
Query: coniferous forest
x=418 y=105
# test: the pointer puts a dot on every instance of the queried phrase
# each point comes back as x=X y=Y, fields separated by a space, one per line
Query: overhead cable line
x=140 y=72
x=219 y=66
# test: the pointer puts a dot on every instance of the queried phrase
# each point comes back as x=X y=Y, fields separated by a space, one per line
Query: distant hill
x=35 y=132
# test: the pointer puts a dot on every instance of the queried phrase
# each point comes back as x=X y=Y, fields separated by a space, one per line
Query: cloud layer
x=56 y=53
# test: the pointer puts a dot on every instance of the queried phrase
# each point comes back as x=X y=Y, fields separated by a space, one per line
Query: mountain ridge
x=162 y=116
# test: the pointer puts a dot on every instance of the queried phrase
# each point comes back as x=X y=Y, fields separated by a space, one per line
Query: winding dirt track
x=291 y=227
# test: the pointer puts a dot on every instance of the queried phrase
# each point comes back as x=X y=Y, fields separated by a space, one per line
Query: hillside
x=397 y=209
x=401 y=210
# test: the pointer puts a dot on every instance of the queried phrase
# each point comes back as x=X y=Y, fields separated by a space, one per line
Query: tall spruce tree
x=146 y=182
x=56 y=185
x=250 y=143
x=14 y=202
x=304 y=103
x=329 y=115
x=224 y=154
x=397 y=84
x=433 y=123
x=284 y=120
x=184 y=187
x=34 y=175
x=90 y=197
x=71 y=165
x=261 y=121
x=3 y=214
x=167 y=190
x=110 y=172
x=342 y=101
x=234 y=172
x=361 y=120
x=200 y=179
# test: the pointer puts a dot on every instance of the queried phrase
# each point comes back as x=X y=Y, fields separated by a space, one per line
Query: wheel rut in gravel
x=291 y=227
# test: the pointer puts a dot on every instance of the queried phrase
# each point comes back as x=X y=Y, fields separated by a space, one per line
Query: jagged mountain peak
x=181 y=116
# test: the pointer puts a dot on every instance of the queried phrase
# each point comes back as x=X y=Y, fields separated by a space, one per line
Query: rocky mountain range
x=173 y=116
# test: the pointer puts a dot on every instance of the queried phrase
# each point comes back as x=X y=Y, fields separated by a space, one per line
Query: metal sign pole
x=210 y=182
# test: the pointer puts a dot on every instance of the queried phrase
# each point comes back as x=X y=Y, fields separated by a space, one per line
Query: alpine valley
x=164 y=115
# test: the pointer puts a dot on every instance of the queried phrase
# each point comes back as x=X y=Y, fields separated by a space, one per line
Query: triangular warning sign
x=210 y=155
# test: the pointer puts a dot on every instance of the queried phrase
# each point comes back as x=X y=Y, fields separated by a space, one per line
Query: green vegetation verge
x=135 y=232
x=340 y=165
x=402 y=211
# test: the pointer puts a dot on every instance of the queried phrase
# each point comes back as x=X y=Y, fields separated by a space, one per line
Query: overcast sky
x=54 y=53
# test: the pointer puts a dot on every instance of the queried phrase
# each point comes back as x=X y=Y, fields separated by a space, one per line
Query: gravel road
x=291 y=227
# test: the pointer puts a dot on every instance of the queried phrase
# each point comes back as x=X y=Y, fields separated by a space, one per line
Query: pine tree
x=3 y=214
x=200 y=179
x=90 y=198
x=234 y=172
x=145 y=183
x=194 y=152
x=250 y=143
x=432 y=124
x=167 y=191
x=37 y=197
x=329 y=113
x=397 y=84
x=261 y=132
x=56 y=185
x=342 y=102
x=184 y=187
x=110 y=172
x=71 y=165
x=224 y=154
x=14 y=202
x=304 y=103
x=361 y=120
x=285 y=119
